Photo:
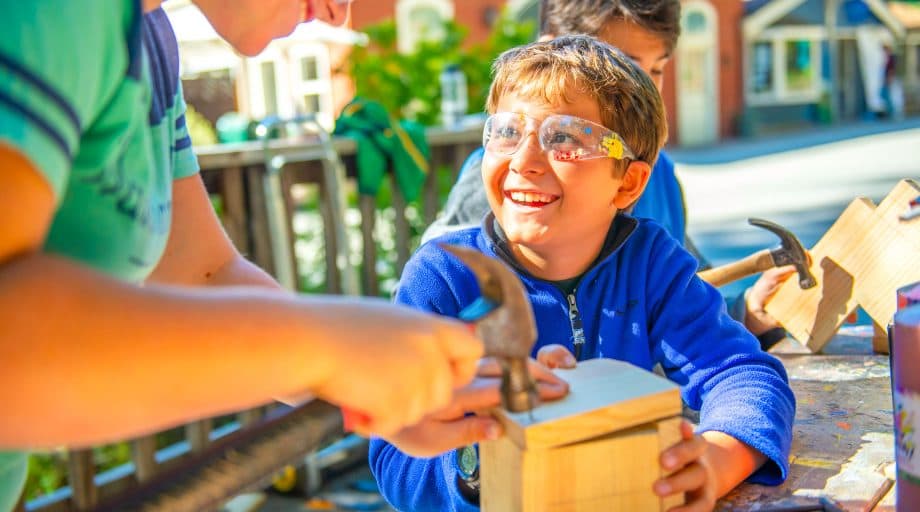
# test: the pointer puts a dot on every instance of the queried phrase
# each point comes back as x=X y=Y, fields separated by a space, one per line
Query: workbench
x=843 y=442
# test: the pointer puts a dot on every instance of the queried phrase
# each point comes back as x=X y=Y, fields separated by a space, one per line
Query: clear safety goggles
x=563 y=138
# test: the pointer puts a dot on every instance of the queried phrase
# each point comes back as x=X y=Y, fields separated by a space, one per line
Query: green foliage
x=199 y=129
x=48 y=471
x=407 y=83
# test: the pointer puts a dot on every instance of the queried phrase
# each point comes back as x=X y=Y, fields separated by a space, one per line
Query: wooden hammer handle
x=757 y=262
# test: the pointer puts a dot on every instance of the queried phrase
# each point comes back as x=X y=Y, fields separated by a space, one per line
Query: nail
x=662 y=487
x=570 y=361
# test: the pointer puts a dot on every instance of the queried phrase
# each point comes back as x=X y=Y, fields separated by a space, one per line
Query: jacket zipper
x=578 y=330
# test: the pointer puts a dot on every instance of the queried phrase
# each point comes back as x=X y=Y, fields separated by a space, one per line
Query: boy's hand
x=450 y=428
x=555 y=356
x=756 y=319
x=691 y=473
x=705 y=467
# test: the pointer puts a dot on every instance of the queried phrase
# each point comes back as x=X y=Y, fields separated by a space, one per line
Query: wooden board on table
x=843 y=442
x=866 y=255
x=605 y=396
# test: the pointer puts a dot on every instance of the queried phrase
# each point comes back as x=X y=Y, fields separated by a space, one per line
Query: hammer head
x=504 y=320
x=507 y=325
x=790 y=252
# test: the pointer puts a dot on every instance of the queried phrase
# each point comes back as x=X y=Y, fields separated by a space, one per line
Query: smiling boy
x=573 y=126
x=647 y=32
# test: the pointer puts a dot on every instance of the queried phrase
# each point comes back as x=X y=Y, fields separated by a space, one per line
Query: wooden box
x=595 y=450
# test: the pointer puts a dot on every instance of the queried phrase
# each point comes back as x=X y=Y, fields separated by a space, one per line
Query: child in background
x=574 y=125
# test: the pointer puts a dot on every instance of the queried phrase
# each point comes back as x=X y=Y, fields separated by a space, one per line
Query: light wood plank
x=604 y=396
x=866 y=255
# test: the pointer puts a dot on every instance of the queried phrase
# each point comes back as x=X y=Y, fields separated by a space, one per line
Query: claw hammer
x=503 y=319
x=790 y=252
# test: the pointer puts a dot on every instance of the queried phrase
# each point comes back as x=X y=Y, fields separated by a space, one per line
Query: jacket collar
x=622 y=227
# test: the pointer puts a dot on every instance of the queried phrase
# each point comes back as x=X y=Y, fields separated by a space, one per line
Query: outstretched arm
x=78 y=346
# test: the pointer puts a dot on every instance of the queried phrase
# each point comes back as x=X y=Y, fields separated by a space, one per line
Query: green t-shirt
x=12 y=477
x=89 y=92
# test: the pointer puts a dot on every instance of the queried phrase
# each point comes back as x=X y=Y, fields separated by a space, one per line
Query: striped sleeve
x=55 y=74
x=185 y=163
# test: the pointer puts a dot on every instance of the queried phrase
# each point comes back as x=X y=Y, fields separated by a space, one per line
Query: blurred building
x=423 y=19
x=741 y=67
x=908 y=13
x=815 y=60
x=294 y=75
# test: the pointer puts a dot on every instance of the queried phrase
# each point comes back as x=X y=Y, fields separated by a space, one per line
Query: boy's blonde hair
x=553 y=70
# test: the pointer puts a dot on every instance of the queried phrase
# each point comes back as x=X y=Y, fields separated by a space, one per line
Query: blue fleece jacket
x=640 y=302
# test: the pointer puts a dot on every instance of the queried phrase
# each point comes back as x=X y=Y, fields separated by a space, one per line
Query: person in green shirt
x=125 y=308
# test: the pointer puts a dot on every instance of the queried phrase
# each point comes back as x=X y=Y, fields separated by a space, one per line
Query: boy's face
x=645 y=48
x=544 y=204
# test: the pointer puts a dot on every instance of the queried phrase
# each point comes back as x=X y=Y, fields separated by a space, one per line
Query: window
x=427 y=23
x=269 y=87
x=311 y=82
x=308 y=68
x=311 y=104
x=800 y=73
x=694 y=22
x=916 y=69
x=784 y=66
x=762 y=67
x=421 y=20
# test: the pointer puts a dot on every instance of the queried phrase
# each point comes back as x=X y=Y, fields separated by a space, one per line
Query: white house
x=293 y=75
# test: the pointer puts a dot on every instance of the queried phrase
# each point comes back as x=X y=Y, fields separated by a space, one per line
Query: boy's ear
x=633 y=183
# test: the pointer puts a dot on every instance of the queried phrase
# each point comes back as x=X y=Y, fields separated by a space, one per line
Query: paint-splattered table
x=843 y=444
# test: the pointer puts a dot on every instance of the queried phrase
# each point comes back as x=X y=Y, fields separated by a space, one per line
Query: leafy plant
x=406 y=84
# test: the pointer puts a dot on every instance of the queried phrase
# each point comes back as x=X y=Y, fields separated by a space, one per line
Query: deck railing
x=235 y=173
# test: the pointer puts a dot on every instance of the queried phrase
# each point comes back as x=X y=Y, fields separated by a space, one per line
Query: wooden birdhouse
x=595 y=450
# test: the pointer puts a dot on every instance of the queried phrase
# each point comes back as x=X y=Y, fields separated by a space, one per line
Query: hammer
x=790 y=252
x=503 y=319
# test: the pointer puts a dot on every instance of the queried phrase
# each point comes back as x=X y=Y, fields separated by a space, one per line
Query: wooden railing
x=234 y=173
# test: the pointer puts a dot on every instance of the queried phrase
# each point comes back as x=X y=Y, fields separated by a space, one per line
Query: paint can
x=906 y=399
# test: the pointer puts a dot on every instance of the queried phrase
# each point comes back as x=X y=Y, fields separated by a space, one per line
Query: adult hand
x=451 y=428
x=391 y=364
x=691 y=473
x=756 y=319
x=556 y=356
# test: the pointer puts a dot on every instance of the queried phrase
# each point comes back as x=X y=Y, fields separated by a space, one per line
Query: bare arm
x=85 y=358
x=731 y=461
x=199 y=252
x=705 y=467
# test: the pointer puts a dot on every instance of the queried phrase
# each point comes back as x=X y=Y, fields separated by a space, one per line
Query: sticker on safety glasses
x=563 y=138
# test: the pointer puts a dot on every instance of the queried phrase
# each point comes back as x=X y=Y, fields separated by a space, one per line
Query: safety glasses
x=563 y=138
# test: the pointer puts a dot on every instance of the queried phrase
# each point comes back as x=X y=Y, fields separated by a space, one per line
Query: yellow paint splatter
x=814 y=463
x=613 y=146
